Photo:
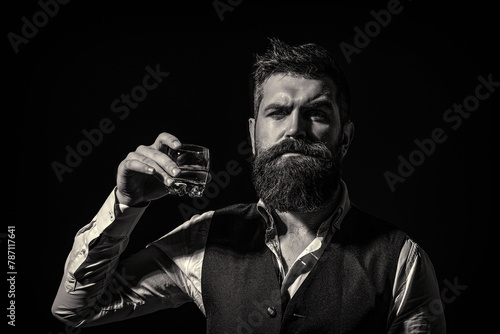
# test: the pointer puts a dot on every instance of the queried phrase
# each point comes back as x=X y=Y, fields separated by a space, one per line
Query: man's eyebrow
x=319 y=104
x=276 y=105
x=321 y=100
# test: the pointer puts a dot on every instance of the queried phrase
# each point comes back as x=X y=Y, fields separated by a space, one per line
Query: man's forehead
x=286 y=88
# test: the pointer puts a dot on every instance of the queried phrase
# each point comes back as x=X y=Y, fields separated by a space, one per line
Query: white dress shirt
x=99 y=287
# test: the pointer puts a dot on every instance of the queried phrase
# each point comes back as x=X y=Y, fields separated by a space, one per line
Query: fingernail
x=176 y=171
x=176 y=143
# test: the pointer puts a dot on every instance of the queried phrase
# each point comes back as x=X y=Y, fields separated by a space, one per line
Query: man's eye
x=278 y=113
x=318 y=115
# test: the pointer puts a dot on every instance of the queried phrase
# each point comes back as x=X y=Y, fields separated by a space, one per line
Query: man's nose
x=296 y=126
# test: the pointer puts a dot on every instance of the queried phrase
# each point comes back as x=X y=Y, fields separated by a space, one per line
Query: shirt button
x=271 y=311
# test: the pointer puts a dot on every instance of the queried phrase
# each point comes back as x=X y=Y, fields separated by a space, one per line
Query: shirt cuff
x=117 y=220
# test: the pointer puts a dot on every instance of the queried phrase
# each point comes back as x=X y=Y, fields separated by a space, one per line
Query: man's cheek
x=261 y=143
x=332 y=141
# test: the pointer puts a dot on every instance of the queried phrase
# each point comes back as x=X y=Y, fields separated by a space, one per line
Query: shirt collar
x=333 y=222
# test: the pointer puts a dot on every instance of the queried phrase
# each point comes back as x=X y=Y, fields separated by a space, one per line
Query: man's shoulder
x=239 y=227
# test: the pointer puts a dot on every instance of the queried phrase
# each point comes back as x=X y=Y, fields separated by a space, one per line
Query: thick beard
x=303 y=183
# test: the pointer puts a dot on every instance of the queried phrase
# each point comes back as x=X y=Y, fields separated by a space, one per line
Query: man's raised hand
x=145 y=173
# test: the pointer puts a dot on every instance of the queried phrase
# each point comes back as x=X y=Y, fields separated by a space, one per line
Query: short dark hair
x=308 y=60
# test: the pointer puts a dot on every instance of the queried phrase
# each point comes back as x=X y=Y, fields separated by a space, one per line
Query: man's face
x=295 y=107
x=298 y=143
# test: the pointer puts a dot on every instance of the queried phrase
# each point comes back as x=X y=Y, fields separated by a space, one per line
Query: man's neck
x=301 y=223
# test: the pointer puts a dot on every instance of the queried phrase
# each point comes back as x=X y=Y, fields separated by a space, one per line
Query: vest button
x=271 y=311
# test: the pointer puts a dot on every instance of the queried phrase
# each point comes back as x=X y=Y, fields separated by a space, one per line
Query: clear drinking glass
x=194 y=163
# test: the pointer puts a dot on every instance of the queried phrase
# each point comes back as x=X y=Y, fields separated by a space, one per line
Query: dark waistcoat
x=349 y=290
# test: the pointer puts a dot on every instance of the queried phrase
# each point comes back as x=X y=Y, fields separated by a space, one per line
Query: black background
x=64 y=80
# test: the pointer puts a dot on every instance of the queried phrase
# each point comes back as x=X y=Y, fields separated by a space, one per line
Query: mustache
x=306 y=147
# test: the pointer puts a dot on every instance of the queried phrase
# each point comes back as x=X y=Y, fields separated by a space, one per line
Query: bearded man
x=300 y=260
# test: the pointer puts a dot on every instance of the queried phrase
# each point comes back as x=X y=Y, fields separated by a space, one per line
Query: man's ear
x=251 y=130
x=347 y=136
